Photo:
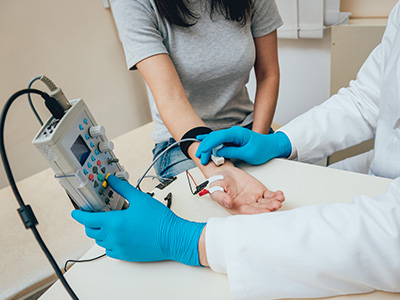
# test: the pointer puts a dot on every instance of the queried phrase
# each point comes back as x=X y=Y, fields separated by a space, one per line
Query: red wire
x=195 y=184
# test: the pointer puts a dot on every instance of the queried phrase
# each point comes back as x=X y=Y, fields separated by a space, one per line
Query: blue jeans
x=174 y=162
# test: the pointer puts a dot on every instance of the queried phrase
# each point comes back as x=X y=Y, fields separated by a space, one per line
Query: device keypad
x=96 y=169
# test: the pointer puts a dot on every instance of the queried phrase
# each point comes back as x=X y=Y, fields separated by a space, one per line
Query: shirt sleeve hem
x=259 y=32
x=133 y=61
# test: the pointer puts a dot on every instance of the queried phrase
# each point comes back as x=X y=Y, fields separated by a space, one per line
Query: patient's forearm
x=210 y=169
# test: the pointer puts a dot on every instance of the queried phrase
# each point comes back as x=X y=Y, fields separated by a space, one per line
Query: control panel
x=82 y=157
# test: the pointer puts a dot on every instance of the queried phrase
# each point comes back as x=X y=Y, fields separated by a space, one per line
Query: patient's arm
x=243 y=191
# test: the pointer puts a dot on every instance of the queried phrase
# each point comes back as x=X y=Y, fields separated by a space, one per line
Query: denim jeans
x=174 y=162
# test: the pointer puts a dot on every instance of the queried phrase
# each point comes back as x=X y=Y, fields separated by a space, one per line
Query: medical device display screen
x=80 y=150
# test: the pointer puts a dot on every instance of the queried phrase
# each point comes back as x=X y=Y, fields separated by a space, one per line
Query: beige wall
x=75 y=43
x=368 y=8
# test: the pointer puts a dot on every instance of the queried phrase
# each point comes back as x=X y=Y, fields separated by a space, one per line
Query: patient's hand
x=244 y=194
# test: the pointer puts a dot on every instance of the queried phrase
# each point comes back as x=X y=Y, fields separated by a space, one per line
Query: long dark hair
x=177 y=12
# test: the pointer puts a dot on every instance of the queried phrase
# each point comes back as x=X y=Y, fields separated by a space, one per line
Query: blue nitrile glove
x=146 y=231
x=252 y=147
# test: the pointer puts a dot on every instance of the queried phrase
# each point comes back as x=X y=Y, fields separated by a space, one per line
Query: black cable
x=190 y=184
x=2 y=148
x=25 y=211
x=30 y=99
x=82 y=260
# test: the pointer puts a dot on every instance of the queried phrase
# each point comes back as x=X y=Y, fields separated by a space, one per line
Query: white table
x=302 y=184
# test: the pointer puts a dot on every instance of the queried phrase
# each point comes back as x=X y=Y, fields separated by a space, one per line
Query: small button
x=85 y=171
x=107 y=201
x=91 y=176
x=101 y=191
x=103 y=169
x=104 y=184
x=91 y=144
x=99 y=162
x=89 y=165
x=110 y=194
x=95 y=169
x=96 y=184
x=80 y=127
x=86 y=136
x=96 y=151
x=85 y=121
x=93 y=158
x=100 y=177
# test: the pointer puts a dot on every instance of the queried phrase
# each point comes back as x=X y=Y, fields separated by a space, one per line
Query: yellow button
x=104 y=184
x=108 y=174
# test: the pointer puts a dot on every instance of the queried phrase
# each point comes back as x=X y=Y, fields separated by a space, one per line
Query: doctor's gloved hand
x=252 y=147
x=146 y=231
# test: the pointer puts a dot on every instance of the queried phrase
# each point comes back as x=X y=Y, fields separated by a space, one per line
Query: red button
x=91 y=177
x=98 y=162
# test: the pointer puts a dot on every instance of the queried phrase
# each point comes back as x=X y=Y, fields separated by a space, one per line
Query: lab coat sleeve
x=350 y=117
x=315 y=251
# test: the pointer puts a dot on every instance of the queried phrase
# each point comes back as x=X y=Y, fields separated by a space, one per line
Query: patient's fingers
x=278 y=195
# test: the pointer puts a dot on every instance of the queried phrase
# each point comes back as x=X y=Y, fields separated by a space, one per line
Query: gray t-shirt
x=213 y=58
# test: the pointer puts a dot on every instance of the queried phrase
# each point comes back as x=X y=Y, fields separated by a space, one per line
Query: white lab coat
x=341 y=248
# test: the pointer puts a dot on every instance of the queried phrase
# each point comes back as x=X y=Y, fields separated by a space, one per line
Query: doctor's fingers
x=217 y=138
x=233 y=152
x=124 y=188
x=89 y=219
x=96 y=234
x=205 y=157
x=103 y=244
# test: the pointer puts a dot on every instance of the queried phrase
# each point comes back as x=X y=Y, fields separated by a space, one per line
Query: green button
x=100 y=177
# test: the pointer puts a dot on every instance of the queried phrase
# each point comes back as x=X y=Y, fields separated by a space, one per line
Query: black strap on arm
x=192 y=133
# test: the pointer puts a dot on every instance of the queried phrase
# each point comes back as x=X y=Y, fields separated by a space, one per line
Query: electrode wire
x=14 y=188
x=159 y=156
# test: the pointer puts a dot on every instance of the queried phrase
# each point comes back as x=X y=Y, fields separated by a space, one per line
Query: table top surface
x=303 y=185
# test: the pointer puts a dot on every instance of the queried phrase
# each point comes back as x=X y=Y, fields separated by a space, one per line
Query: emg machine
x=82 y=157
